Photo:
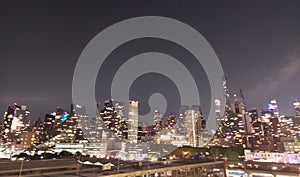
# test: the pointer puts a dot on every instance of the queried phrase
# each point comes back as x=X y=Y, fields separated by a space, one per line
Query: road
x=69 y=167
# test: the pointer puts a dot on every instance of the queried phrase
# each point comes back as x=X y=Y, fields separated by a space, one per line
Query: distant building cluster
x=114 y=133
x=264 y=131
x=110 y=133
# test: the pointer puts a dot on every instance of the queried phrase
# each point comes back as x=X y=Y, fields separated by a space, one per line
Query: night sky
x=258 y=44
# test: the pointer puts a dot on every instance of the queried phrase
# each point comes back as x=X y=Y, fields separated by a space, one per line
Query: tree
x=65 y=154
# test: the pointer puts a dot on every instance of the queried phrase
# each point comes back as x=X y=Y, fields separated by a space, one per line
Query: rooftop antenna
x=242 y=95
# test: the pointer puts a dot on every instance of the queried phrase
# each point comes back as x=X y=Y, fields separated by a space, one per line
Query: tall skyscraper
x=297 y=108
x=219 y=116
x=113 y=116
x=226 y=92
x=266 y=115
x=273 y=107
x=62 y=126
x=82 y=117
x=238 y=107
x=7 y=120
x=236 y=127
x=157 y=121
x=133 y=121
x=123 y=123
x=108 y=115
x=253 y=115
x=38 y=129
x=50 y=125
x=15 y=120
x=171 y=121
x=194 y=125
x=181 y=129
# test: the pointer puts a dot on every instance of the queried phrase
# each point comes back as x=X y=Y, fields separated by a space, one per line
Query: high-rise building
x=253 y=115
x=15 y=120
x=266 y=115
x=239 y=106
x=273 y=107
x=119 y=109
x=226 y=92
x=297 y=108
x=68 y=126
x=50 y=125
x=180 y=128
x=123 y=123
x=49 y=121
x=219 y=116
x=96 y=129
x=133 y=121
x=157 y=121
x=194 y=125
x=113 y=117
x=171 y=121
x=236 y=127
x=108 y=116
x=62 y=126
x=38 y=129
x=82 y=118
x=27 y=139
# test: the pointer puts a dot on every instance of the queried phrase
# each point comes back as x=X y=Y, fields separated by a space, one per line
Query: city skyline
x=150 y=88
x=250 y=130
x=257 y=43
x=119 y=106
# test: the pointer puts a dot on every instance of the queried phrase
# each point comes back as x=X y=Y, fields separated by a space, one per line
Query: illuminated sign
x=64 y=118
x=271 y=106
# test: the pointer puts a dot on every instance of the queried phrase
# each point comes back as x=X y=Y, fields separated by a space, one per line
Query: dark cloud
x=40 y=43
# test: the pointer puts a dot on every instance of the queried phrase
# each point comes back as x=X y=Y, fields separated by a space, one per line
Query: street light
x=21 y=167
x=118 y=165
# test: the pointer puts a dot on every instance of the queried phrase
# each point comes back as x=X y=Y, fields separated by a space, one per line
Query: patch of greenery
x=214 y=152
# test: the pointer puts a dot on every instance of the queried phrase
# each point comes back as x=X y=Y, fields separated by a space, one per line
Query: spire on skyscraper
x=226 y=92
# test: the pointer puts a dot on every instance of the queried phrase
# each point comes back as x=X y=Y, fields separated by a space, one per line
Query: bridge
x=271 y=169
x=193 y=170
x=253 y=173
x=70 y=168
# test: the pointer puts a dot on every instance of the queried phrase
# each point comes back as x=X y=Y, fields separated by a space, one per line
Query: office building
x=133 y=121
x=297 y=108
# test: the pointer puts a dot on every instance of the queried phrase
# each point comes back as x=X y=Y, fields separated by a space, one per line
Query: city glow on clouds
x=274 y=81
x=25 y=99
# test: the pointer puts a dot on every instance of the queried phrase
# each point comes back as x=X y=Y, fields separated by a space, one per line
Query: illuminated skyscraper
x=122 y=124
x=157 y=121
x=297 y=108
x=171 y=121
x=62 y=126
x=113 y=116
x=96 y=128
x=1 y=134
x=238 y=107
x=15 y=120
x=82 y=117
x=219 y=117
x=226 y=92
x=236 y=127
x=38 y=129
x=266 y=115
x=253 y=115
x=50 y=125
x=119 y=109
x=180 y=128
x=194 y=124
x=108 y=116
x=133 y=121
x=273 y=107
x=7 y=120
